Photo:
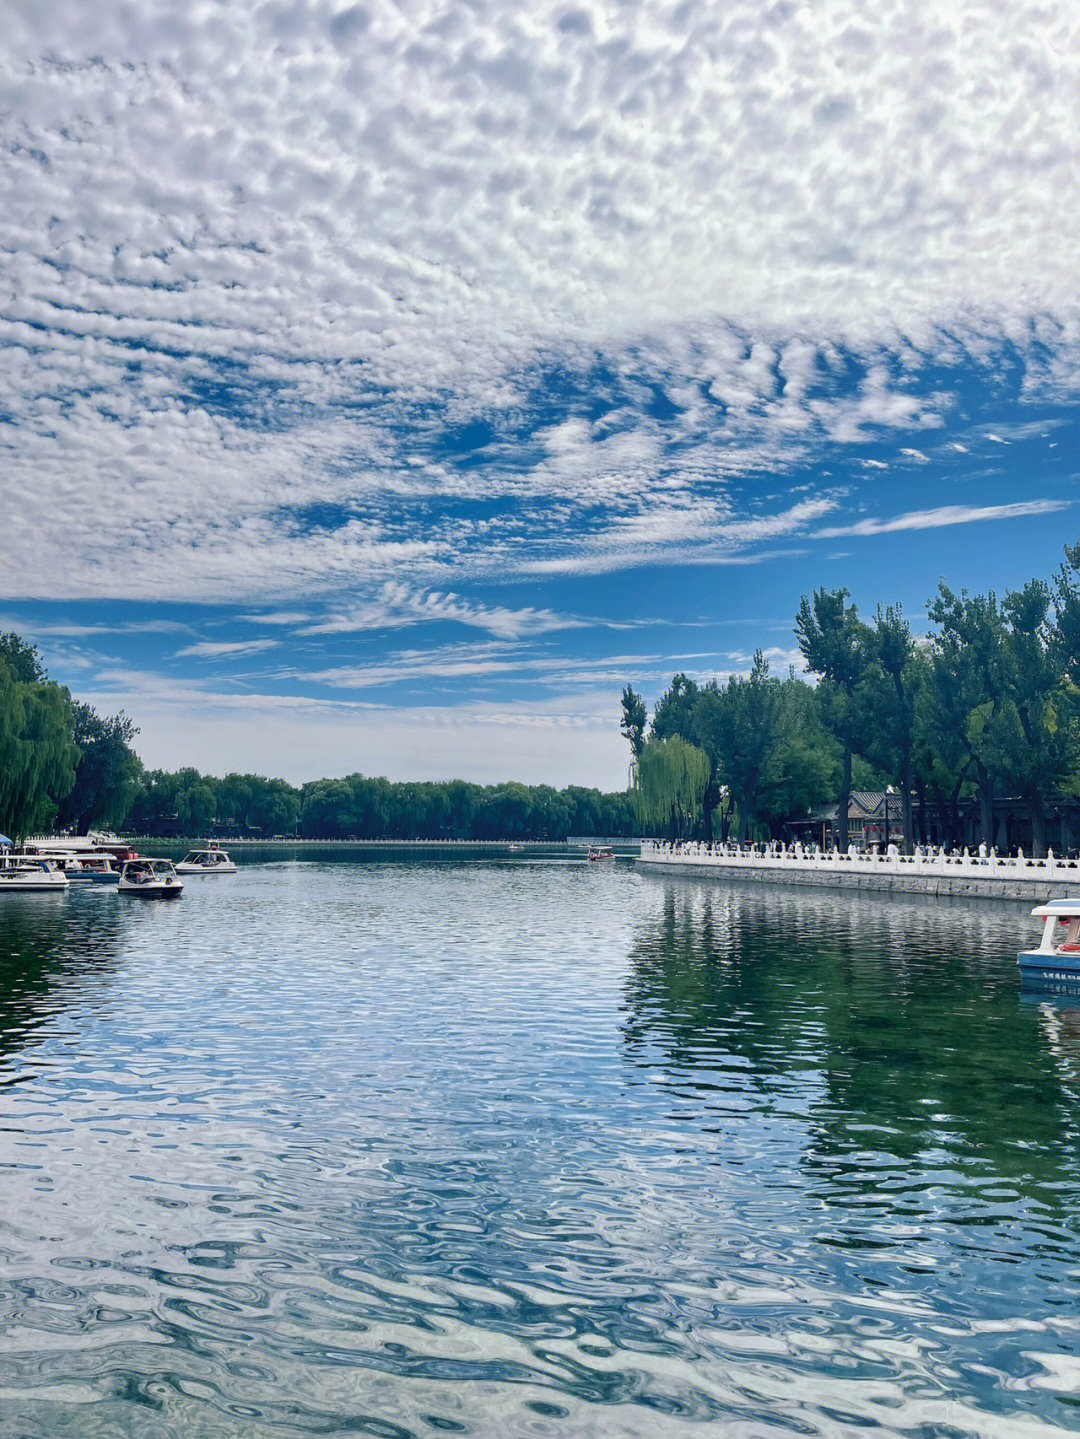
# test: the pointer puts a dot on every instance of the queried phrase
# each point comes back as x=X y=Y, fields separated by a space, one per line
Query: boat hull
x=152 y=891
x=33 y=886
x=1057 y=973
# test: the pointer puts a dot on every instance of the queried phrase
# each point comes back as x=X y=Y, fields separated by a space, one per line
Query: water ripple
x=527 y=1149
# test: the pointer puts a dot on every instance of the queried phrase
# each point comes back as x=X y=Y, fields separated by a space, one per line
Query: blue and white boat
x=1055 y=965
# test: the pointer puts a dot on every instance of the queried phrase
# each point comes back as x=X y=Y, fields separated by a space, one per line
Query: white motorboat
x=1056 y=963
x=24 y=874
x=150 y=879
x=206 y=861
x=600 y=853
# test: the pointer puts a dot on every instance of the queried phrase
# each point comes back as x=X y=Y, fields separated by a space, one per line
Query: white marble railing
x=957 y=866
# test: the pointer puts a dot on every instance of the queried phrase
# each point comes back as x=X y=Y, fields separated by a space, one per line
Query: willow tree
x=37 y=753
x=672 y=777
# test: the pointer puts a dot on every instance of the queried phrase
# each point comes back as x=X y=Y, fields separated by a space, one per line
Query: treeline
x=361 y=807
x=985 y=705
x=64 y=766
x=61 y=763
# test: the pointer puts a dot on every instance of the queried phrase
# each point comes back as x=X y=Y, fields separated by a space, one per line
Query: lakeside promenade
x=990 y=875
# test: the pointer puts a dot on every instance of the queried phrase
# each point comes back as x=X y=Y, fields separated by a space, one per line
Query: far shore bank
x=627 y=846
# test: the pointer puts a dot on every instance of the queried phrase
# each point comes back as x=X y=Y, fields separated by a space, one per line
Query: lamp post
x=888 y=791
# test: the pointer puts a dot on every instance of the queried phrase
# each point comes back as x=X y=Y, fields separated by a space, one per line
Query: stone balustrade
x=927 y=872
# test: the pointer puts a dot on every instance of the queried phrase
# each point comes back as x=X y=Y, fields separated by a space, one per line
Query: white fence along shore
x=991 y=875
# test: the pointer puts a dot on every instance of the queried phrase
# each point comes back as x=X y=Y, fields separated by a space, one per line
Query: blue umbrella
x=4 y=839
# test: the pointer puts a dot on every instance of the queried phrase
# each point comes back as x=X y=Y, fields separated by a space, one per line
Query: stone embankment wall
x=990 y=878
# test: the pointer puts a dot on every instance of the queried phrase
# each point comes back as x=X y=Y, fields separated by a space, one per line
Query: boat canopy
x=1061 y=908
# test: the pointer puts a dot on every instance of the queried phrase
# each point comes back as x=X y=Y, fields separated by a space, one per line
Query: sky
x=382 y=387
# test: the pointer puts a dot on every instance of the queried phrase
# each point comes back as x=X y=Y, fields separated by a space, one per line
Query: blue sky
x=383 y=387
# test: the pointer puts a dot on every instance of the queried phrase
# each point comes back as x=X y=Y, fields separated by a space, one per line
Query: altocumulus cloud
x=349 y=311
x=266 y=265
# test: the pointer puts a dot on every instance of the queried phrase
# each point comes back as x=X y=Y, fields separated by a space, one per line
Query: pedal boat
x=1056 y=962
x=206 y=861
x=150 y=879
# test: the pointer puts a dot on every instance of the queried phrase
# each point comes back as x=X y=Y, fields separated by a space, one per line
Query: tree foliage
x=108 y=773
x=359 y=806
x=37 y=748
x=984 y=705
x=671 y=783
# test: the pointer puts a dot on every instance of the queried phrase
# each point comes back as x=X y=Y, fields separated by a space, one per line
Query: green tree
x=738 y=725
x=974 y=669
x=887 y=704
x=196 y=805
x=836 y=647
x=672 y=780
x=37 y=753
x=676 y=713
x=1044 y=751
x=805 y=767
x=634 y=720
x=22 y=659
x=108 y=775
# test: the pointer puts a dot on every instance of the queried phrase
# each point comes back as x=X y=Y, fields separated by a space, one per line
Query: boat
x=99 y=869
x=1056 y=962
x=600 y=852
x=206 y=861
x=515 y=847
x=73 y=865
x=51 y=845
x=24 y=875
x=150 y=879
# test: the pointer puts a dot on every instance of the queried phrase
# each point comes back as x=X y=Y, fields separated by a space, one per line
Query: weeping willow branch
x=671 y=780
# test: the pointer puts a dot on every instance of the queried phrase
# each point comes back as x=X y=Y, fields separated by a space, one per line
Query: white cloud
x=945 y=515
x=396 y=606
x=480 y=661
x=683 y=530
x=226 y=649
x=278 y=617
x=247 y=249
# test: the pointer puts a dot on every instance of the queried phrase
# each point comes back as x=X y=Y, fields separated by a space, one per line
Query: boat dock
x=986 y=875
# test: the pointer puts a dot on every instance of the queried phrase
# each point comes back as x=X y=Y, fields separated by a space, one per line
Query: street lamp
x=888 y=791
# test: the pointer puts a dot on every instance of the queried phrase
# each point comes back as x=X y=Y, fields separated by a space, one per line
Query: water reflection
x=887 y=1016
x=51 y=948
x=502 y=1150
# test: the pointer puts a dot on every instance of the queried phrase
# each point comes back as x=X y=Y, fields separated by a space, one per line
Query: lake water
x=531 y=1148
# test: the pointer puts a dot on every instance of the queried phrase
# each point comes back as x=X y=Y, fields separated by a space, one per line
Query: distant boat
x=598 y=853
x=150 y=879
x=206 y=861
x=515 y=847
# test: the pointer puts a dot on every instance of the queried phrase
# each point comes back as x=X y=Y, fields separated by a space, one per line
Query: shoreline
x=972 y=876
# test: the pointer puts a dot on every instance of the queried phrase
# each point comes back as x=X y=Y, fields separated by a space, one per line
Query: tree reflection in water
x=52 y=949
x=892 y=1027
